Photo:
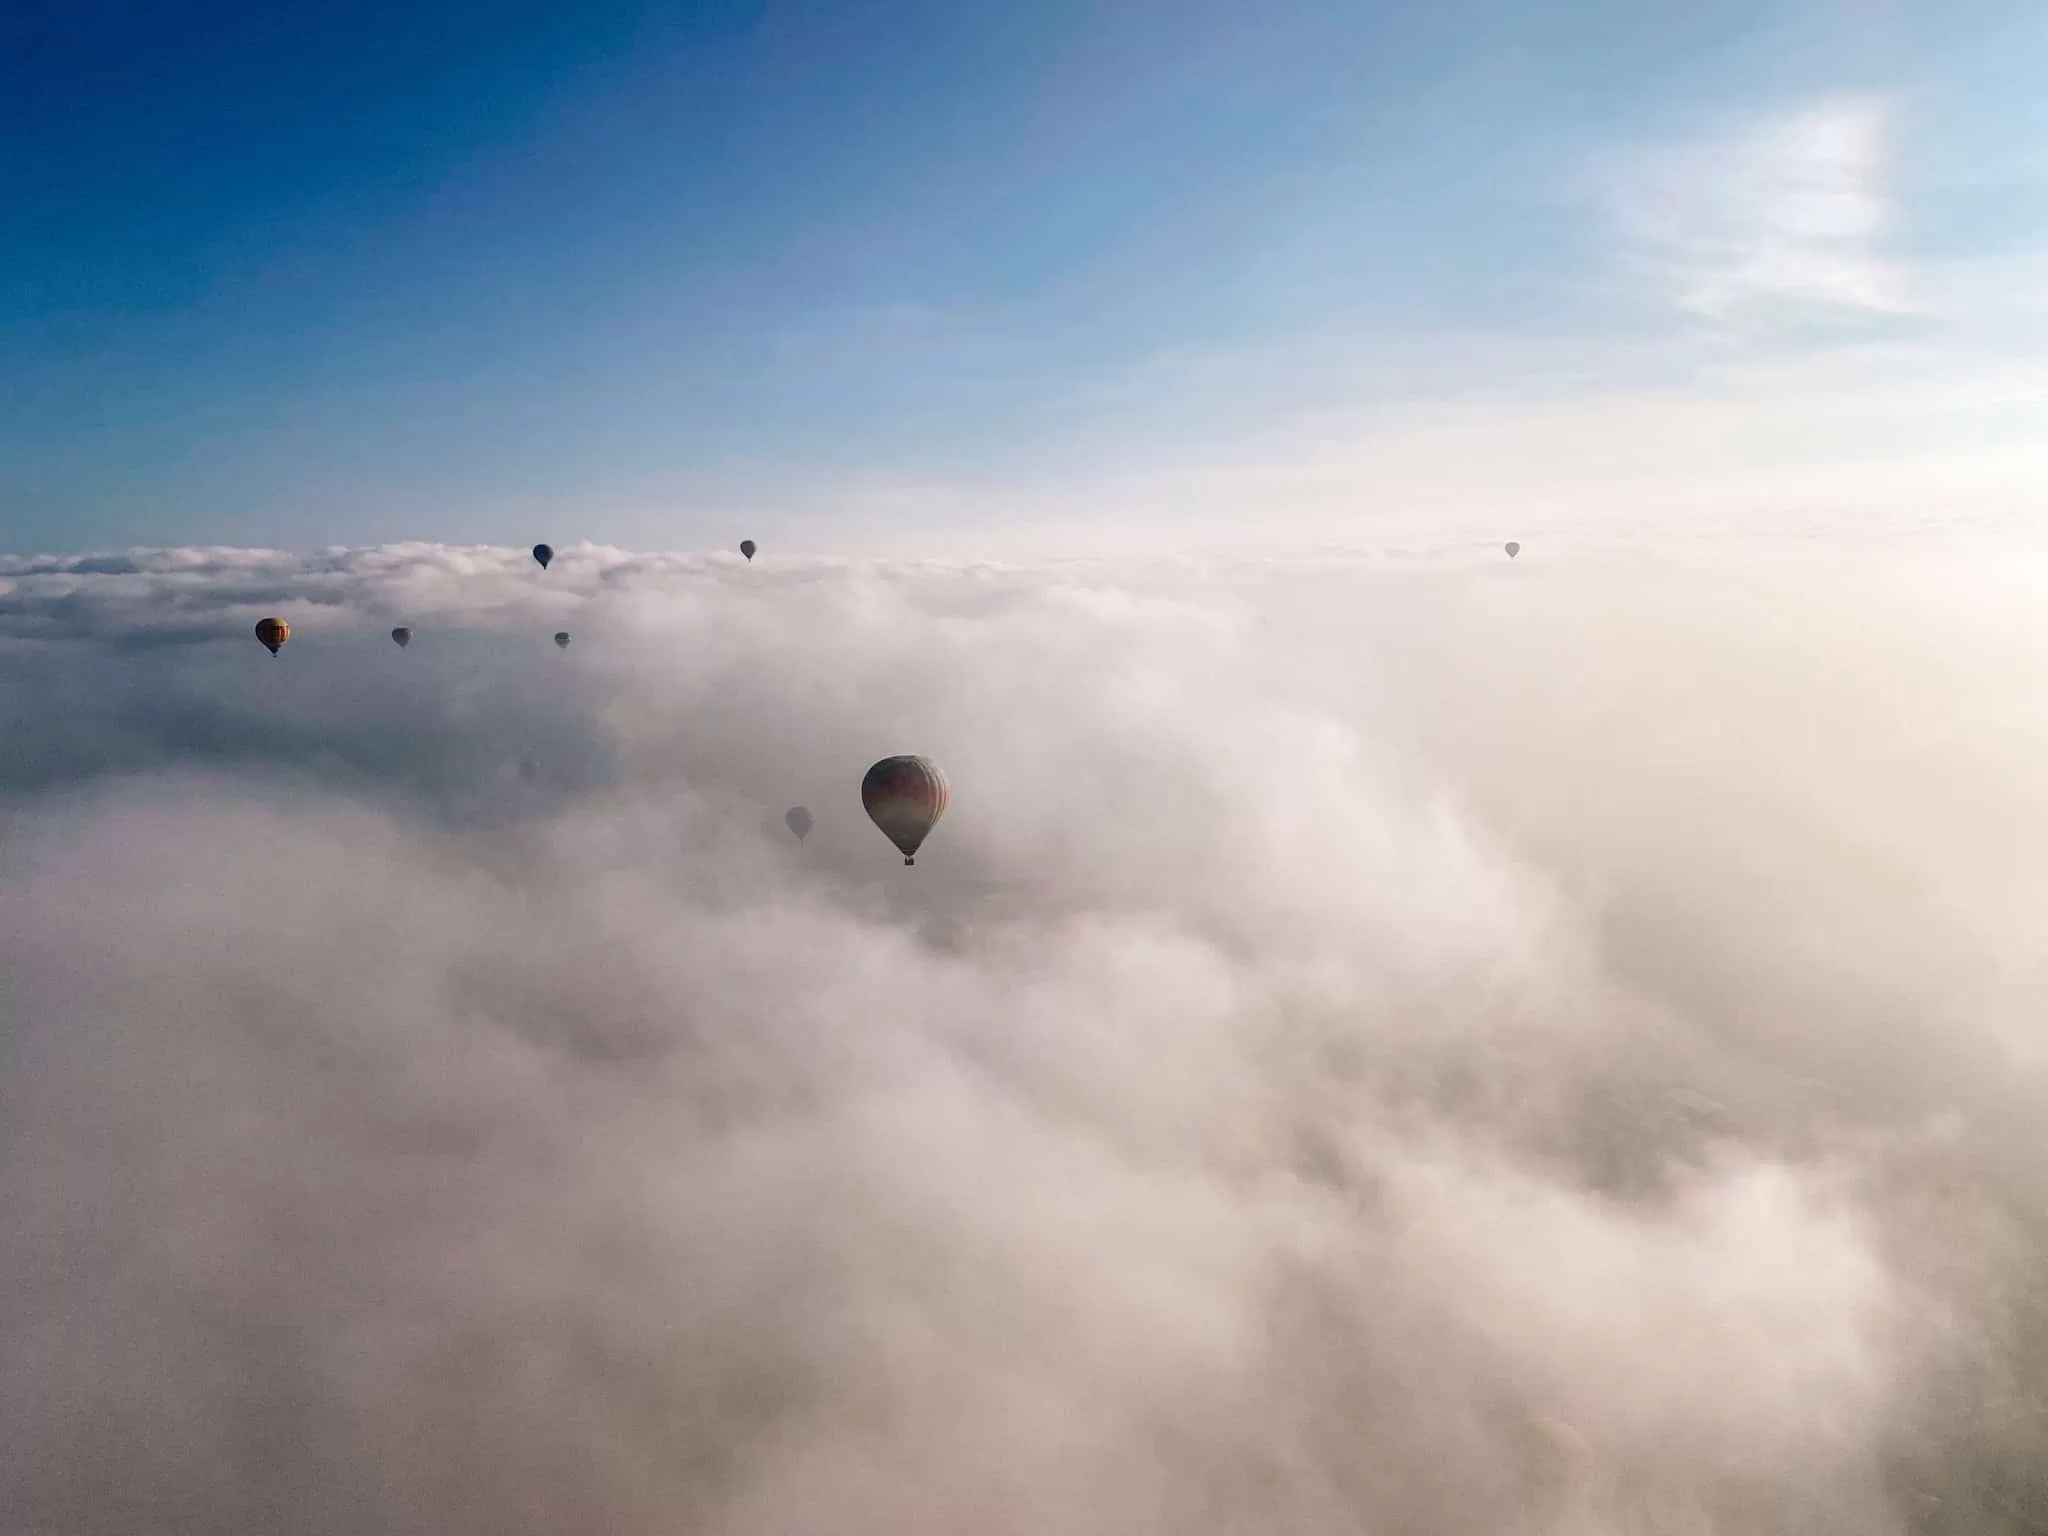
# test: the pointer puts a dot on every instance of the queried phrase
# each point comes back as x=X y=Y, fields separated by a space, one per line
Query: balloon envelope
x=798 y=820
x=948 y=932
x=1514 y=550
x=543 y=553
x=403 y=636
x=747 y=548
x=273 y=633
x=905 y=797
x=562 y=639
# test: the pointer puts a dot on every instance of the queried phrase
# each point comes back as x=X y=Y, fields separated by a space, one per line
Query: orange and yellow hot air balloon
x=273 y=633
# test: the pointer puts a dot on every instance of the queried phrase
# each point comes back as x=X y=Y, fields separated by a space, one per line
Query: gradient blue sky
x=313 y=274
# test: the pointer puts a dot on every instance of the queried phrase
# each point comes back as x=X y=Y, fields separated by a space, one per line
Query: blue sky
x=323 y=274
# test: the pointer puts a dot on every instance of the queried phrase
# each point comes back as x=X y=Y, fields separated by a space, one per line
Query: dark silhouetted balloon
x=798 y=820
x=543 y=553
x=747 y=548
x=562 y=638
x=273 y=633
x=905 y=797
x=403 y=636
x=1514 y=550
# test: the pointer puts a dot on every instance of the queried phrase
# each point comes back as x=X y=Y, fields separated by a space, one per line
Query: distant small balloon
x=905 y=797
x=798 y=821
x=562 y=638
x=403 y=636
x=1513 y=550
x=747 y=548
x=948 y=931
x=273 y=633
x=543 y=553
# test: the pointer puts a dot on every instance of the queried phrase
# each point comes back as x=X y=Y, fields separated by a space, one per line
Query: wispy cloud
x=1787 y=213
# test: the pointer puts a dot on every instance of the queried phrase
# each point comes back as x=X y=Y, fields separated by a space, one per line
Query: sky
x=1408 y=1042
x=867 y=277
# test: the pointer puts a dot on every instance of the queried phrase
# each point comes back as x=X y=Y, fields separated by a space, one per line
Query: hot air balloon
x=273 y=633
x=798 y=820
x=1513 y=550
x=562 y=638
x=948 y=931
x=747 y=548
x=905 y=797
x=403 y=636
x=543 y=553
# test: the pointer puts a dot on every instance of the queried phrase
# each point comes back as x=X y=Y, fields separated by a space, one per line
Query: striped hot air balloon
x=273 y=633
x=905 y=797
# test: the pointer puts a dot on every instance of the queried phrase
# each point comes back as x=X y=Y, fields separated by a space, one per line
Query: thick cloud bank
x=1386 y=1045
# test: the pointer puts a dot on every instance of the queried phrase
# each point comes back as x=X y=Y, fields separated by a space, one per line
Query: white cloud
x=1773 y=219
x=1376 y=1043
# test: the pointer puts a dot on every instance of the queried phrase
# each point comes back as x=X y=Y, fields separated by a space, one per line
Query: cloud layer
x=1397 y=1046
